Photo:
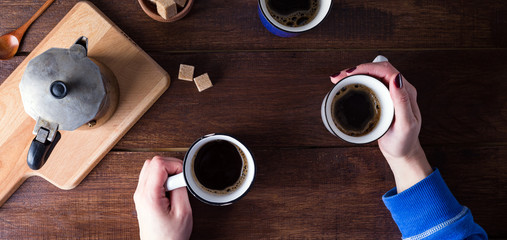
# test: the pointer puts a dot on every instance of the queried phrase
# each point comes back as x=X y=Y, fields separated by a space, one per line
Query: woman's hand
x=161 y=217
x=400 y=145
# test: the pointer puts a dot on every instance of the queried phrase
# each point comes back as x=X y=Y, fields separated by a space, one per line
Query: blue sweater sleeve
x=428 y=210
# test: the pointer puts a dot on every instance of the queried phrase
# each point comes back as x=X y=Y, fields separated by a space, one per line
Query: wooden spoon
x=9 y=43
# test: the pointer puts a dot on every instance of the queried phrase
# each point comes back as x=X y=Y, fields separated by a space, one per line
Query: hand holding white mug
x=161 y=217
x=201 y=174
x=400 y=145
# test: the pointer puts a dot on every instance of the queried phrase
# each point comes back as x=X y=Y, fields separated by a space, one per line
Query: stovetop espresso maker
x=64 y=89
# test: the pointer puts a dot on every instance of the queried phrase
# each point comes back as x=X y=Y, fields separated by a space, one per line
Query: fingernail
x=350 y=69
x=335 y=75
x=398 y=82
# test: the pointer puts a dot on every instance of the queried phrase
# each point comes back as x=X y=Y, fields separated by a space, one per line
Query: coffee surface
x=355 y=110
x=293 y=13
x=218 y=165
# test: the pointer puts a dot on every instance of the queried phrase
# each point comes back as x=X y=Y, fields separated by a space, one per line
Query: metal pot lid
x=63 y=86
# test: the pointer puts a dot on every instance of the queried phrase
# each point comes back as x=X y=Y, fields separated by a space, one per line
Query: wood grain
x=234 y=25
x=298 y=193
x=267 y=93
x=280 y=97
x=141 y=81
x=273 y=99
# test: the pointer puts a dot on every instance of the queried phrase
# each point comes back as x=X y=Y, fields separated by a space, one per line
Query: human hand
x=160 y=217
x=400 y=145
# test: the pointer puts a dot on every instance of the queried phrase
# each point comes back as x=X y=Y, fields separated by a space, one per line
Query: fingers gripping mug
x=217 y=169
x=359 y=108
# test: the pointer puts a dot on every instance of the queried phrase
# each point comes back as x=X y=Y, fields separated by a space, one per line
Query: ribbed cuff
x=423 y=206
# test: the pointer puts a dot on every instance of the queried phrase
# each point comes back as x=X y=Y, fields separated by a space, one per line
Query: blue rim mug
x=281 y=30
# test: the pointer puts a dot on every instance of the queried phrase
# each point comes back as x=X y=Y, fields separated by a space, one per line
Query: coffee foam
x=231 y=188
x=371 y=124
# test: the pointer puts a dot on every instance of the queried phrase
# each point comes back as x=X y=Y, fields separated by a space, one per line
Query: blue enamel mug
x=272 y=20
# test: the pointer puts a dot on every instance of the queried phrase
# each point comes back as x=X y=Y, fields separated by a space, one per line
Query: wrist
x=410 y=169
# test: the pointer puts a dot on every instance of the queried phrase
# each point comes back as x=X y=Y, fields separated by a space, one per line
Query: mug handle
x=176 y=181
x=380 y=58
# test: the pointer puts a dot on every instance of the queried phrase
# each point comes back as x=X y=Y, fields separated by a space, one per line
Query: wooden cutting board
x=141 y=81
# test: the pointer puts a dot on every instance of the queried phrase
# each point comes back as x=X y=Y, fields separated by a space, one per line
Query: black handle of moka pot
x=39 y=152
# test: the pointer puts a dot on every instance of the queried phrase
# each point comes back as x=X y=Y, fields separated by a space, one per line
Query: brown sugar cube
x=181 y=3
x=186 y=72
x=166 y=8
x=203 y=82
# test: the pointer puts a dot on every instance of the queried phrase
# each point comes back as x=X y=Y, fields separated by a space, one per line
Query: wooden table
x=267 y=93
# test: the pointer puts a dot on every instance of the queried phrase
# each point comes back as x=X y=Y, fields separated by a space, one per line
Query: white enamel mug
x=385 y=102
x=382 y=94
x=187 y=177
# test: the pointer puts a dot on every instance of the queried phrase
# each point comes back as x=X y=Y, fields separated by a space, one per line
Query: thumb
x=401 y=100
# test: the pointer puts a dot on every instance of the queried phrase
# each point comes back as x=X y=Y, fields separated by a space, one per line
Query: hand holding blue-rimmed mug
x=289 y=18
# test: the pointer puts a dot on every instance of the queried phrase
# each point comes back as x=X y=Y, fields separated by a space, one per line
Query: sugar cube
x=181 y=3
x=166 y=8
x=186 y=72
x=203 y=82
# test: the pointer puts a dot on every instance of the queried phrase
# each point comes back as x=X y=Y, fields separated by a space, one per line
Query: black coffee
x=293 y=13
x=218 y=165
x=355 y=110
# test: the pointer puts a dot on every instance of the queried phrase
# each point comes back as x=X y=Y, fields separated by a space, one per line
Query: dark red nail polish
x=335 y=75
x=398 y=82
x=350 y=69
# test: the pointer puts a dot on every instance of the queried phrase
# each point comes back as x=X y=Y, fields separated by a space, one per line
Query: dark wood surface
x=267 y=93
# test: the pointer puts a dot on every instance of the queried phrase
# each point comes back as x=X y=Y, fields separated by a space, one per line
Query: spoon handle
x=21 y=30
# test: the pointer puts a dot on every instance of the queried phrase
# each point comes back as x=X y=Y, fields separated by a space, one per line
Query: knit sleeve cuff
x=423 y=206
